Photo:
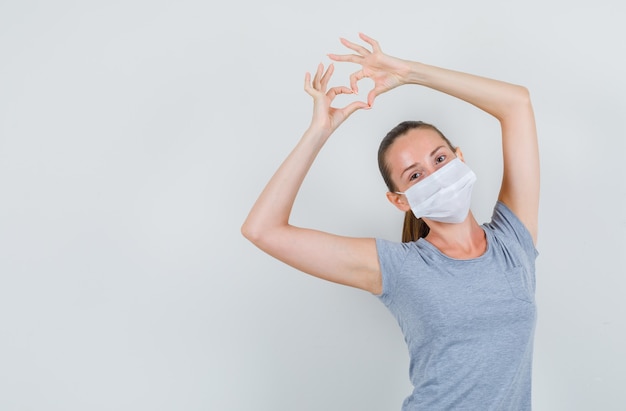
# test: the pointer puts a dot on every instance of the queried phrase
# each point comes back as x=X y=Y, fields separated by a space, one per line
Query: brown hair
x=413 y=228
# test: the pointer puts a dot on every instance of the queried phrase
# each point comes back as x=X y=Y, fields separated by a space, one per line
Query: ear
x=398 y=200
x=459 y=154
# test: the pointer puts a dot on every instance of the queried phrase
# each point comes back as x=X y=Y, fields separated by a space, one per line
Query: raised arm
x=343 y=260
x=510 y=104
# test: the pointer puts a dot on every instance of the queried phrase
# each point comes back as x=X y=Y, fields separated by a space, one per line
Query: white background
x=135 y=136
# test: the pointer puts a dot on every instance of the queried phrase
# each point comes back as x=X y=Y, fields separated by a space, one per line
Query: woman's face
x=416 y=155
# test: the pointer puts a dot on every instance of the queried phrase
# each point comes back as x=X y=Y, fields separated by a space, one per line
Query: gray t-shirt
x=469 y=324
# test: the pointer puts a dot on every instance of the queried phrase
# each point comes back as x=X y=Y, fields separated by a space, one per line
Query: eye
x=440 y=159
x=414 y=176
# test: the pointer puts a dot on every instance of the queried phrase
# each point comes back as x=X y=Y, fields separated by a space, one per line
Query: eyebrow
x=432 y=153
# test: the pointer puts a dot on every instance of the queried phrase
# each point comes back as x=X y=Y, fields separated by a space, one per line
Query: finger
x=371 y=42
x=308 y=86
x=371 y=96
x=354 y=106
x=355 y=78
x=350 y=58
x=353 y=46
x=326 y=77
x=307 y=82
x=335 y=91
x=318 y=75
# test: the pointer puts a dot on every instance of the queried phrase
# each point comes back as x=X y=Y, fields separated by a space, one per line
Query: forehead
x=414 y=146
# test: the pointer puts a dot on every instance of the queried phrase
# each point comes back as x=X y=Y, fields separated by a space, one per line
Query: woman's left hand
x=385 y=71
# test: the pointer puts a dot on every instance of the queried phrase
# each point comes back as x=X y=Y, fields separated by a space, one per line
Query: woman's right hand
x=327 y=118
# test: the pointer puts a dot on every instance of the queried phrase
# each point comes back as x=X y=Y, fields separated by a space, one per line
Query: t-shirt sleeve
x=506 y=222
x=391 y=257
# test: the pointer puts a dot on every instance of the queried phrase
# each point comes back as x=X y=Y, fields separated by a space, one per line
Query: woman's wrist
x=416 y=73
x=316 y=134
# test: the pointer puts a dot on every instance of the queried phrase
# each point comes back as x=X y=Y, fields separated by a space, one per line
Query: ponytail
x=413 y=228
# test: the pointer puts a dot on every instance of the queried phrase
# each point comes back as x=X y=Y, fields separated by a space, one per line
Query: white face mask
x=445 y=195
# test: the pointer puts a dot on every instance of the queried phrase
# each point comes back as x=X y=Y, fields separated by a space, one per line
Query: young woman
x=462 y=293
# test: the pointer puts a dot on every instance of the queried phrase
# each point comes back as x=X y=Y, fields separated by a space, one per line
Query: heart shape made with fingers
x=365 y=85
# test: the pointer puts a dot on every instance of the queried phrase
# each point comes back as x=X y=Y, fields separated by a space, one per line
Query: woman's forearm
x=273 y=207
x=495 y=97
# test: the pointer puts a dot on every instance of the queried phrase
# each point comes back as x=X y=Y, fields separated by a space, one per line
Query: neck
x=463 y=240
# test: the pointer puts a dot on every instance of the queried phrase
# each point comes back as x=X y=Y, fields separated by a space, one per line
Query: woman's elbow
x=518 y=103
x=523 y=95
x=261 y=235
x=517 y=95
x=250 y=232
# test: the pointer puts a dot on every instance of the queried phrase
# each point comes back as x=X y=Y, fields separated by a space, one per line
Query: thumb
x=371 y=96
x=354 y=106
